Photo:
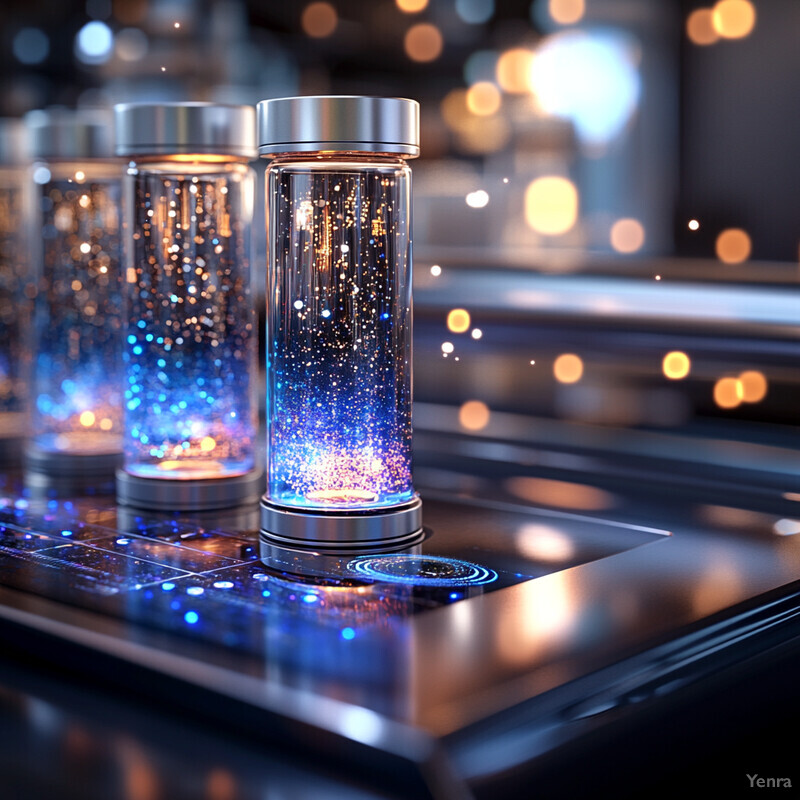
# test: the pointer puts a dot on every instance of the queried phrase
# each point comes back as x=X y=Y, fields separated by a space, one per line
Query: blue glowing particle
x=454 y=595
x=195 y=591
x=191 y=617
x=141 y=324
x=137 y=351
x=266 y=593
x=123 y=541
x=310 y=598
x=223 y=584
x=168 y=586
x=348 y=633
x=131 y=339
x=66 y=533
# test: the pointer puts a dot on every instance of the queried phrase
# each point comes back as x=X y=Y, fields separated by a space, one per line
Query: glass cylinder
x=190 y=330
x=77 y=409
x=339 y=318
x=16 y=287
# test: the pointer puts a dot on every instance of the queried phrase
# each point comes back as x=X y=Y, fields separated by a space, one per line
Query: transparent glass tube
x=16 y=289
x=77 y=348
x=339 y=332
x=190 y=338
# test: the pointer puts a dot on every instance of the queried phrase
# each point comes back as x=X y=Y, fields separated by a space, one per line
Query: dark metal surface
x=588 y=618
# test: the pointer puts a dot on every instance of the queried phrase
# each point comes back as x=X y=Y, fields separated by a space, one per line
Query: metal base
x=71 y=467
x=319 y=566
x=208 y=494
x=394 y=526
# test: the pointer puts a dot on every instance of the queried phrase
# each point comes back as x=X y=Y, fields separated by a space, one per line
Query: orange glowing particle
x=412 y=6
x=700 y=27
x=568 y=368
x=733 y=19
x=474 y=415
x=87 y=419
x=733 y=246
x=423 y=42
x=728 y=392
x=483 y=99
x=513 y=70
x=754 y=386
x=319 y=20
x=458 y=320
x=676 y=365
x=567 y=12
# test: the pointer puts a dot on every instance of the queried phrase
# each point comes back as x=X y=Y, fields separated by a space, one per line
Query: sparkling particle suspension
x=339 y=375
x=190 y=344
x=339 y=319
x=190 y=337
x=77 y=408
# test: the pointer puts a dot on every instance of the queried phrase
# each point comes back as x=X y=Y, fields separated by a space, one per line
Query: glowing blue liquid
x=190 y=342
x=77 y=366
x=339 y=335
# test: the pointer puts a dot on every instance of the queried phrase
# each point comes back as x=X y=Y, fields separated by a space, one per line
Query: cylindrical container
x=16 y=288
x=190 y=328
x=75 y=246
x=338 y=410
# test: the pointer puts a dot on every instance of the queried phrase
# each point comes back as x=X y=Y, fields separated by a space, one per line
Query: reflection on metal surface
x=718 y=587
x=545 y=616
x=560 y=494
x=422 y=570
x=545 y=543
x=728 y=517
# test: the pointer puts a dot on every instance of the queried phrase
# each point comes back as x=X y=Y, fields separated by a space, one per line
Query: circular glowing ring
x=421 y=570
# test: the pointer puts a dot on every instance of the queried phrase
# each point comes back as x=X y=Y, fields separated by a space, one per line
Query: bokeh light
x=734 y=19
x=627 y=235
x=458 y=320
x=475 y=12
x=319 y=20
x=733 y=246
x=474 y=415
x=566 y=12
x=568 y=368
x=700 y=27
x=513 y=70
x=591 y=79
x=478 y=199
x=551 y=205
x=423 y=42
x=483 y=99
x=94 y=43
x=30 y=46
x=754 y=386
x=131 y=44
x=412 y=6
x=676 y=365
x=728 y=392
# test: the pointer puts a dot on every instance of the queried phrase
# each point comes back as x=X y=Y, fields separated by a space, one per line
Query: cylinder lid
x=338 y=123
x=185 y=128
x=63 y=133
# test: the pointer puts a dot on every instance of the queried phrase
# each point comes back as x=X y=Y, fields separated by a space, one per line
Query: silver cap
x=185 y=128
x=62 y=133
x=13 y=142
x=343 y=122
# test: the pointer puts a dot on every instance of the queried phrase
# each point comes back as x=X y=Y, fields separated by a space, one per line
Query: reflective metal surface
x=175 y=128
x=330 y=122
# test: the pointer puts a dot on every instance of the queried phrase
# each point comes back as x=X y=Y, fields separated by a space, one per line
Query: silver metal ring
x=61 y=133
x=144 y=129
x=339 y=123
x=162 y=494
x=396 y=525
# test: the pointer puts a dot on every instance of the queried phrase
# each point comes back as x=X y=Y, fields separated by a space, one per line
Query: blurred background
x=606 y=221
